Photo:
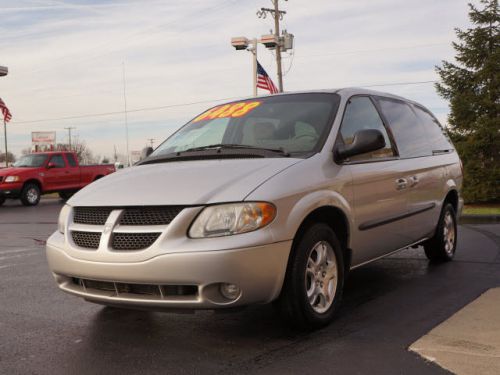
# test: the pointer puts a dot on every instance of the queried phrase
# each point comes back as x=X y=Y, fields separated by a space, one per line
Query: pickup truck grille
x=123 y=226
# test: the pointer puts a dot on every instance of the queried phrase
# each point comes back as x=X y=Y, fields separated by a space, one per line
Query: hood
x=181 y=183
x=13 y=171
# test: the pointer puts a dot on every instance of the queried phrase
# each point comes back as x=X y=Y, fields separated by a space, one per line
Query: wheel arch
x=336 y=219
x=34 y=181
x=452 y=198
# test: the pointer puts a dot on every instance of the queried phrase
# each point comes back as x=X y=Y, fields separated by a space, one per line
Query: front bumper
x=258 y=271
x=11 y=190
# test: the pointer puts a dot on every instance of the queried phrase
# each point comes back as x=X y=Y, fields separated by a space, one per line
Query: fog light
x=230 y=291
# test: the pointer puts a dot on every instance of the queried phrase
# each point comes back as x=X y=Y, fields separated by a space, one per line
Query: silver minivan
x=267 y=199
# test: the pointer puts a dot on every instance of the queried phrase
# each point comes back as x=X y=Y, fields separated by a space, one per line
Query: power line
x=144 y=109
x=398 y=84
x=121 y=112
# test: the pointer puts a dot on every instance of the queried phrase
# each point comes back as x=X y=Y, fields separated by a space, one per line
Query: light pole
x=3 y=72
x=241 y=43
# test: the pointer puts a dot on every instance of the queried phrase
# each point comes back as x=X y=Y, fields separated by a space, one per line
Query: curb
x=479 y=219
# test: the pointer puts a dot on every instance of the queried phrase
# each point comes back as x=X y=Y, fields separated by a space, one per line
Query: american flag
x=7 y=116
x=263 y=80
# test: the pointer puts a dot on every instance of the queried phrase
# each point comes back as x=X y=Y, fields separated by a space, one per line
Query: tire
x=2 y=200
x=30 y=195
x=299 y=302
x=65 y=195
x=442 y=247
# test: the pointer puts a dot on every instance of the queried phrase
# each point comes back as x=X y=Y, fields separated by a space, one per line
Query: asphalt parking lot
x=388 y=305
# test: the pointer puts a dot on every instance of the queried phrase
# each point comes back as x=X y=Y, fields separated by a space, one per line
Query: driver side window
x=361 y=114
x=58 y=161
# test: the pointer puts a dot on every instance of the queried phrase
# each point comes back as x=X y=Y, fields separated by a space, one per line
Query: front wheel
x=30 y=195
x=314 y=281
x=441 y=247
x=2 y=199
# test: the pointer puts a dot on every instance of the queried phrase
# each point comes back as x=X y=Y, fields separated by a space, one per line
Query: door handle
x=401 y=183
x=413 y=181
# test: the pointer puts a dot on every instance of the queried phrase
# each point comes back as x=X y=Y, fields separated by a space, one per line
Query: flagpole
x=254 y=52
x=5 y=136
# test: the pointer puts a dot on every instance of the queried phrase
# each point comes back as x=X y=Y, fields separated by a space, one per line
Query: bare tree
x=10 y=157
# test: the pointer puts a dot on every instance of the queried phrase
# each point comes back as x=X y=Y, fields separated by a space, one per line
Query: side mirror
x=367 y=140
x=51 y=165
x=146 y=151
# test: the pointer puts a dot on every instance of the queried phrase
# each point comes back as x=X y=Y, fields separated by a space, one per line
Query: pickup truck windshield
x=33 y=161
x=295 y=123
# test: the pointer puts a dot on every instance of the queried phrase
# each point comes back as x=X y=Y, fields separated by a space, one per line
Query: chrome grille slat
x=133 y=241
x=87 y=240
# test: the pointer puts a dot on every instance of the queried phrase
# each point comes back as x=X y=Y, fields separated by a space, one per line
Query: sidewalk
x=469 y=341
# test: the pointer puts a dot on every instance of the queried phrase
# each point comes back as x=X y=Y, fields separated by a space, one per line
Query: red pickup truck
x=47 y=172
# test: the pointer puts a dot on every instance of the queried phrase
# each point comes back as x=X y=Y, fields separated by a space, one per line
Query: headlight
x=233 y=218
x=12 y=178
x=63 y=218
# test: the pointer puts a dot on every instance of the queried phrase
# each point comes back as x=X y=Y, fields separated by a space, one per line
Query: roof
x=347 y=92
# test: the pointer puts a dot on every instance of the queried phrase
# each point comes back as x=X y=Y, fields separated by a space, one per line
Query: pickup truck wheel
x=30 y=195
x=441 y=247
x=314 y=281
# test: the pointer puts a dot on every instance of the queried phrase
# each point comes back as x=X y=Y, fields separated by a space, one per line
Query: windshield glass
x=296 y=123
x=33 y=160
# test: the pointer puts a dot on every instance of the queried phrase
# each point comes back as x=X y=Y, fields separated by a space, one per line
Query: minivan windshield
x=296 y=124
x=33 y=161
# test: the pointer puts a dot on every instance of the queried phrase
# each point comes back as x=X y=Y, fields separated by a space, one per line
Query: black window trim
x=339 y=139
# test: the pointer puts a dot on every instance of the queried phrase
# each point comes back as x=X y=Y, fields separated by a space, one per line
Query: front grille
x=88 y=240
x=158 y=291
x=133 y=241
x=91 y=215
x=150 y=215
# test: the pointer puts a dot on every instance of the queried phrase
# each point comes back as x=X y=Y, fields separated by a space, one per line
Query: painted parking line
x=469 y=341
x=18 y=256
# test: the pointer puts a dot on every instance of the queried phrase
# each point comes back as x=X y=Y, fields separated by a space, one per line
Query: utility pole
x=277 y=14
x=151 y=142
x=69 y=135
x=125 y=112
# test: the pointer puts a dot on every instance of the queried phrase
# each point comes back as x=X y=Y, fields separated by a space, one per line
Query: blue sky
x=65 y=58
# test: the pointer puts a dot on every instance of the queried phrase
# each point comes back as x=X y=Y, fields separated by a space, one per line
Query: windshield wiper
x=220 y=146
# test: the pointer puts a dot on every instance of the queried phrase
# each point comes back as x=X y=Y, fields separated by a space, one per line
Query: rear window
x=434 y=133
x=409 y=133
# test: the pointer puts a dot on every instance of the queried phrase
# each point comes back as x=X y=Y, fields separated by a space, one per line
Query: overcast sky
x=65 y=58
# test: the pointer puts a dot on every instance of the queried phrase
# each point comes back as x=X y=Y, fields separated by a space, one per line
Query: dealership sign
x=43 y=141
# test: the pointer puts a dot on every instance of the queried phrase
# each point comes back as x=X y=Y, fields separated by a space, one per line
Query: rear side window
x=71 y=160
x=435 y=135
x=360 y=114
x=406 y=128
